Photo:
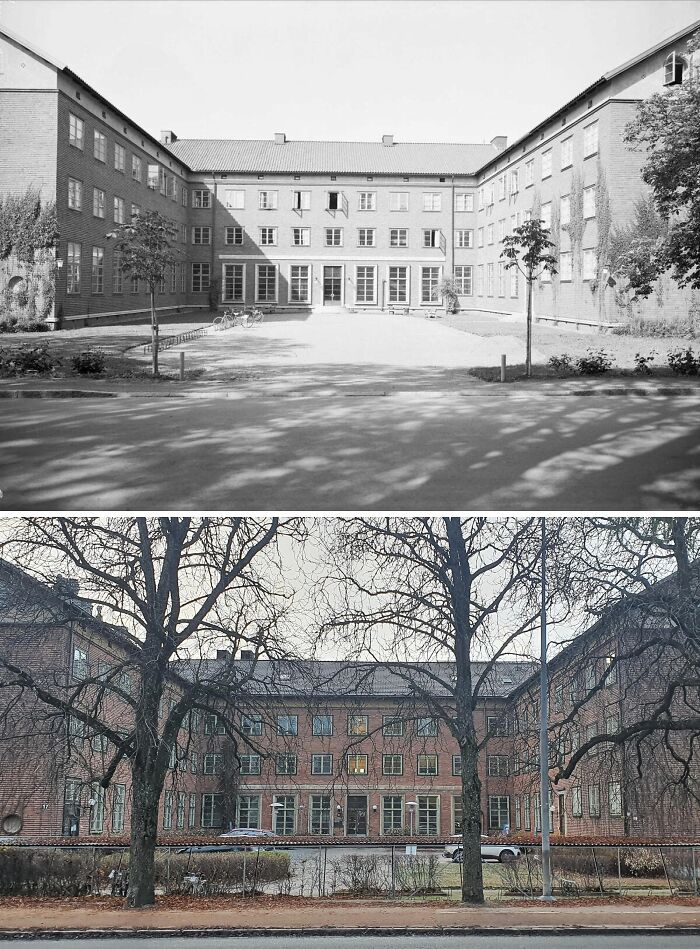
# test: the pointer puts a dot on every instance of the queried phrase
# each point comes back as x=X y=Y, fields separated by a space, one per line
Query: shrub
x=31 y=326
x=563 y=363
x=641 y=363
x=8 y=324
x=641 y=862
x=684 y=362
x=594 y=363
x=45 y=872
x=90 y=362
x=27 y=358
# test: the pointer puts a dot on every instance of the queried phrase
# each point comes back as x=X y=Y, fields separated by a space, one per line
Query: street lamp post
x=411 y=805
x=544 y=737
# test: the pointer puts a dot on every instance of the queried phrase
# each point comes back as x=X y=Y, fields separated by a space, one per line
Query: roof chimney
x=247 y=654
x=66 y=587
x=222 y=654
x=167 y=137
x=280 y=138
x=499 y=142
x=387 y=139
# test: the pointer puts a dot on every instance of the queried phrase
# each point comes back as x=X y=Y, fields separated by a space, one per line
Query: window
x=497 y=726
x=480 y=280
x=501 y=229
x=118 y=808
x=119 y=217
x=321 y=764
x=590 y=139
x=320 y=814
x=675 y=69
x=428 y=814
x=593 y=800
x=181 y=798
x=300 y=283
x=212 y=813
x=497 y=766
x=248 y=810
x=334 y=237
x=464 y=201
x=301 y=200
x=136 y=168
x=499 y=811
x=565 y=266
x=268 y=236
x=192 y=811
x=250 y=764
x=426 y=727
x=153 y=177
x=201 y=198
x=615 y=798
x=576 y=806
x=547 y=163
x=501 y=279
x=513 y=281
x=567 y=152
x=233 y=235
x=80 y=663
x=76 y=131
x=119 y=157
x=480 y=237
x=234 y=286
x=301 y=236
x=99 y=149
x=502 y=188
x=398 y=200
x=392 y=764
x=267 y=200
x=234 y=198
x=200 y=278
x=489 y=234
x=538 y=812
x=398 y=237
x=365 y=285
x=183 y=196
x=463 y=280
x=134 y=284
x=333 y=201
x=136 y=210
x=514 y=179
x=98 y=269
x=489 y=280
x=322 y=725
x=529 y=172
x=201 y=235
x=286 y=763
x=589 y=202
x=287 y=725
x=358 y=725
x=75 y=194
x=565 y=209
x=456 y=764
x=367 y=201
x=429 y=282
x=546 y=215
x=117 y=273
x=97 y=811
x=266 y=284
x=481 y=198
x=464 y=238
x=432 y=201
x=427 y=764
x=212 y=764
x=284 y=814
x=610 y=664
x=357 y=764
x=98 y=743
x=391 y=727
x=98 y=203
x=365 y=237
x=612 y=721
x=526 y=813
x=591 y=732
x=194 y=762
x=431 y=238
x=392 y=814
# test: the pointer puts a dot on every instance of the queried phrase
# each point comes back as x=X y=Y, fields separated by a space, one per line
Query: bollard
x=182 y=366
x=503 y=368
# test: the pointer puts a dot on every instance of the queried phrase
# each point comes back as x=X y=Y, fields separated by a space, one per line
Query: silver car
x=504 y=853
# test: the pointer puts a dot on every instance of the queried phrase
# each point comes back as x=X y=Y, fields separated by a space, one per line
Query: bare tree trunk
x=528 y=344
x=144 y=835
x=472 y=876
x=154 y=332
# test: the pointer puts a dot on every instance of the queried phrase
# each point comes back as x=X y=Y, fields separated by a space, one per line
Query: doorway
x=332 y=285
x=357 y=815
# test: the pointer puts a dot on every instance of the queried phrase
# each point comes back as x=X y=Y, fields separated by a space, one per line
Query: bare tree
x=171 y=590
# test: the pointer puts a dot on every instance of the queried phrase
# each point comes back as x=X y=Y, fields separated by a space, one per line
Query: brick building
x=332 y=225
x=332 y=748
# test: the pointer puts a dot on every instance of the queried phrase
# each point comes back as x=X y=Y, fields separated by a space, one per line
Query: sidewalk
x=301 y=915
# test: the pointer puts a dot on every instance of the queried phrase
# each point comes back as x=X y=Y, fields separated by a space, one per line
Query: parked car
x=232 y=835
x=248 y=832
x=504 y=853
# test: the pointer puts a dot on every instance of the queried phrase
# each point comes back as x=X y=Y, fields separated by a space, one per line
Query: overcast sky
x=424 y=70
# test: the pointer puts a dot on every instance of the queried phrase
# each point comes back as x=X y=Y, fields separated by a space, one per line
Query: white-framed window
x=118 y=808
x=212 y=764
x=76 y=131
x=365 y=284
x=334 y=237
x=497 y=726
x=357 y=764
x=250 y=764
x=201 y=235
x=392 y=764
x=501 y=279
x=489 y=280
x=367 y=201
x=366 y=237
x=398 y=237
x=212 y=811
x=97 y=813
x=117 y=272
x=286 y=763
x=134 y=283
x=201 y=275
x=184 y=196
x=513 y=281
x=427 y=765
x=183 y=229
x=322 y=764
x=426 y=727
x=398 y=289
x=514 y=221
x=300 y=292
x=514 y=182
x=99 y=146
x=567 y=152
x=675 y=69
x=432 y=201
x=565 y=209
x=480 y=280
x=392 y=727
x=576 y=803
x=429 y=283
x=590 y=263
x=119 y=215
x=248 y=810
x=250 y=724
x=546 y=214
x=456 y=765
x=463 y=279
x=501 y=229
x=502 y=188
x=119 y=157
x=268 y=236
x=392 y=814
x=98 y=269
x=590 y=139
x=98 y=203
x=565 y=265
x=498 y=811
x=358 y=725
x=319 y=814
x=547 y=163
x=234 y=198
x=201 y=198
x=75 y=194
x=593 y=800
x=153 y=176
x=266 y=292
x=284 y=820
x=335 y=200
x=489 y=234
x=529 y=172
x=192 y=810
x=173 y=277
x=301 y=236
x=497 y=766
x=181 y=799
x=589 y=202
x=431 y=237
x=480 y=237
x=287 y=725
x=428 y=814
x=136 y=168
x=527 y=215
x=233 y=235
x=267 y=200
x=398 y=200
x=301 y=200
x=464 y=238
x=615 y=798
x=464 y=201
x=481 y=198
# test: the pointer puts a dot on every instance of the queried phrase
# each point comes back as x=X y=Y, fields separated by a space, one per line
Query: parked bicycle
x=231 y=318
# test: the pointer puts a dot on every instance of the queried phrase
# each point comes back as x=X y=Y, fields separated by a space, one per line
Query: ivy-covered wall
x=28 y=236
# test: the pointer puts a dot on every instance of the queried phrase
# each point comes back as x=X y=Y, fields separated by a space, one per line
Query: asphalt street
x=406 y=451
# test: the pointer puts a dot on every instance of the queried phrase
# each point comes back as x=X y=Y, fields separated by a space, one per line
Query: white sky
x=424 y=70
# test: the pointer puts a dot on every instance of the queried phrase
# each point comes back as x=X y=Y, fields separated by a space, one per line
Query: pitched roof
x=358 y=158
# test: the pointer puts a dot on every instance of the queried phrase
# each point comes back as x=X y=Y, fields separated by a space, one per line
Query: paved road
x=631 y=941
x=408 y=451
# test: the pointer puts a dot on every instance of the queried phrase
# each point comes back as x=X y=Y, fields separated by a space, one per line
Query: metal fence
x=168 y=341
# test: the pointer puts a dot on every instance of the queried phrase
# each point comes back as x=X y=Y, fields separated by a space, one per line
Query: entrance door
x=357 y=815
x=332 y=285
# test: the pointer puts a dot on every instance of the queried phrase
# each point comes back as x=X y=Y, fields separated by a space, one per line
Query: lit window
x=358 y=725
x=76 y=131
x=357 y=764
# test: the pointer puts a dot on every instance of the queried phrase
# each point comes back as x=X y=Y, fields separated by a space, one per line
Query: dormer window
x=675 y=69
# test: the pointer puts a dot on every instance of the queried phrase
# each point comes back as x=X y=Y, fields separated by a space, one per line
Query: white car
x=504 y=853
